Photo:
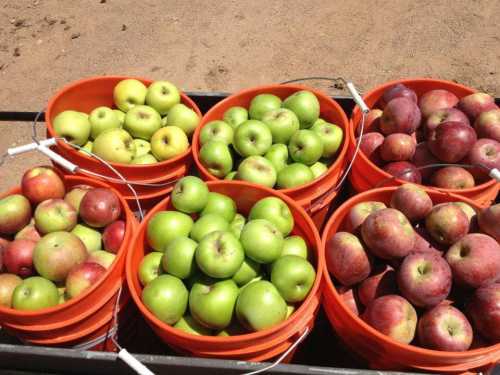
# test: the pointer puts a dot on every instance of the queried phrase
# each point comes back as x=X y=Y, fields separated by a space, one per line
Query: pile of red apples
x=55 y=243
x=420 y=273
x=406 y=133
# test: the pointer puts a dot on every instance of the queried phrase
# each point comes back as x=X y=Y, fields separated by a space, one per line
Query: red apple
x=29 y=232
x=347 y=259
x=82 y=277
x=435 y=100
x=393 y=316
x=100 y=207
x=18 y=257
x=112 y=236
x=447 y=223
x=397 y=91
x=41 y=183
x=8 y=282
x=484 y=152
x=475 y=260
x=445 y=328
x=487 y=125
x=424 y=279
x=484 y=310
x=412 y=201
x=452 y=178
x=475 y=104
x=488 y=220
x=404 y=171
x=401 y=115
x=467 y=209
x=424 y=157
x=349 y=298
x=452 y=141
x=444 y=115
x=15 y=213
x=382 y=282
x=360 y=212
x=75 y=195
x=397 y=147
x=370 y=143
x=3 y=245
x=388 y=234
x=55 y=215
x=372 y=121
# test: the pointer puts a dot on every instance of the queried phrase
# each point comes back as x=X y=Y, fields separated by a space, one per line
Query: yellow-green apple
x=55 y=215
x=412 y=201
x=166 y=226
x=262 y=240
x=100 y=207
x=397 y=91
x=75 y=195
x=370 y=145
x=447 y=223
x=252 y=137
x=129 y=93
x=164 y=121
x=90 y=237
x=441 y=116
x=274 y=210
x=217 y=131
x=73 y=126
x=282 y=123
x=237 y=224
x=120 y=115
x=258 y=170
x=401 y=115
x=18 y=257
x=261 y=104
x=475 y=104
x=467 y=209
x=278 y=156
x=102 y=119
x=305 y=105
x=293 y=276
x=41 y=183
x=349 y=298
x=388 y=234
x=488 y=220
x=142 y=147
x=162 y=95
x=216 y=157
x=150 y=267
x=87 y=148
x=485 y=152
x=82 y=277
x=8 y=282
x=347 y=259
x=381 y=283
x=248 y=271
x=35 y=293
x=29 y=232
x=404 y=171
x=142 y=122
x=219 y=254
x=104 y=258
x=234 y=116
x=184 y=118
x=453 y=178
x=487 y=125
x=318 y=169
x=207 y=224
x=331 y=135
x=359 y=212
x=15 y=213
x=294 y=175
x=167 y=298
x=423 y=157
x=295 y=245
x=434 y=100
x=113 y=235
x=115 y=145
x=452 y=141
x=305 y=147
x=484 y=310
x=189 y=325
x=220 y=204
x=144 y=159
x=190 y=195
x=169 y=142
x=178 y=258
x=397 y=147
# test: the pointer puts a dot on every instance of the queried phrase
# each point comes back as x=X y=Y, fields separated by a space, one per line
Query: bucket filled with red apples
x=63 y=243
x=287 y=137
x=416 y=123
x=411 y=279
x=227 y=269
x=142 y=128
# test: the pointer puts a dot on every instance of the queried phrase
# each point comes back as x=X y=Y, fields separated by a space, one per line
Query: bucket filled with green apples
x=227 y=269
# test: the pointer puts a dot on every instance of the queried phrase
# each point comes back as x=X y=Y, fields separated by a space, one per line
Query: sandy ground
x=229 y=45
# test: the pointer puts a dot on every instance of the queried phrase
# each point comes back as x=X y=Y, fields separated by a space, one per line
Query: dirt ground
x=229 y=45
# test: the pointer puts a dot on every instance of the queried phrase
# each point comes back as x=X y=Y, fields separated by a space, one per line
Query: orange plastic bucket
x=257 y=346
x=366 y=175
x=381 y=351
x=85 y=95
x=79 y=316
x=315 y=196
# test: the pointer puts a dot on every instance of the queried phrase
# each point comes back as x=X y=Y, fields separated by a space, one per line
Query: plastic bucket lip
x=50 y=129
x=120 y=255
x=344 y=124
x=377 y=93
x=371 y=195
x=140 y=235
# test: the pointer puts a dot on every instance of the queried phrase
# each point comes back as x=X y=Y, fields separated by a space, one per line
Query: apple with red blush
x=452 y=178
x=401 y=115
x=113 y=235
x=444 y=115
x=489 y=219
x=349 y=298
x=18 y=258
x=404 y=170
x=412 y=201
x=41 y=183
x=475 y=104
x=452 y=141
x=397 y=147
x=484 y=310
x=370 y=144
x=397 y=91
x=382 y=282
x=359 y=212
x=487 y=125
x=100 y=207
x=434 y=100
x=447 y=223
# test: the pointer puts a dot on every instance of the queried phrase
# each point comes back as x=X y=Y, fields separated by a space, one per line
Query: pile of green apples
x=149 y=125
x=273 y=143
x=214 y=272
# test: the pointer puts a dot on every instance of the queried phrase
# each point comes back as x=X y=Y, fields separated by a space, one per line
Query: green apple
x=150 y=267
x=190 y=195
x=295 y=245
x=54 y=215
x=189 y=325
x=207 y=224
x=234 y=329
x=305 y=147
x=101 y=119
x=290 y=309
x=276 y=211
x=142 y=147
x=221 y=205
x=166 y=226
x=255 y=279
x=305 y=105
x=219 y=254
x=319 y=121
x=331 y=135
x=234 y=116
x=260 y=306
x=91 y=238
x=35 y=293
x=237 y=225
x=167 y=298
x=231 y=176
x=257 y=169
x=162 y=95
x=293 y=276
x=248 y=271
x=74 y=126
x=144 y=159
x=164 y=121
x=183 y=117
x=178 y=259
x=142 y=122
x=169 y=142
x=87 y=148
x=252 y=138
x=120 y=115
x=278 y=156
x=283 y=123
x=318 y=169
x=216 y=157
x=294 y=175
x=128 y=93
x=261 y=104
x=114 y=145
x=262 y=241
x=104 y=258
x=63 y=296
x=217 y=131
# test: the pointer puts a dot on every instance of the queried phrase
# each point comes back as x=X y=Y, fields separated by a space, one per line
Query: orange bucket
x=314 y=197
x=366 y=175
x=381 y=351
x=85 y=95
x=80 y=316
x=257 y=346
